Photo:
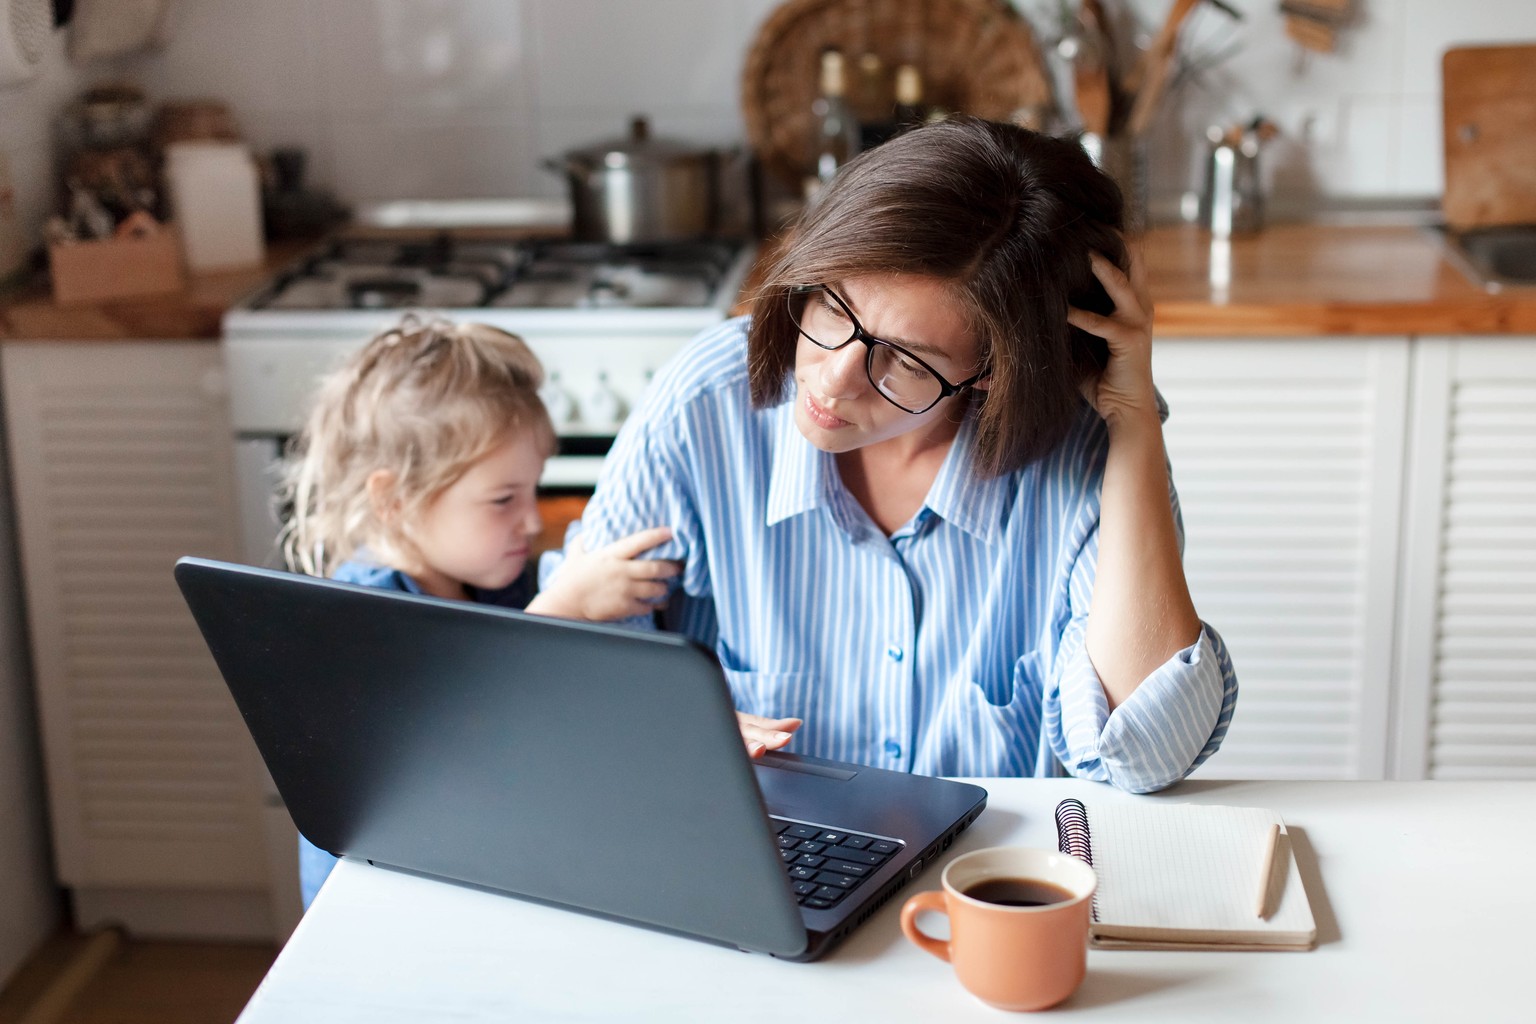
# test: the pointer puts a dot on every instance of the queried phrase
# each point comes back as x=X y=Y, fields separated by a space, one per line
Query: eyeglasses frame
x=946 y=389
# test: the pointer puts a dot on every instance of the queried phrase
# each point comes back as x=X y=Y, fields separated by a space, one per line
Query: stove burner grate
x=451 y=272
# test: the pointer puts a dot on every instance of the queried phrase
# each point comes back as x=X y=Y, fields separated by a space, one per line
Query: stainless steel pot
x=640 y=189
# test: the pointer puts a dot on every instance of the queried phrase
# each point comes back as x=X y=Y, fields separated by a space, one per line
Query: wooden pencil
x=1267 y=872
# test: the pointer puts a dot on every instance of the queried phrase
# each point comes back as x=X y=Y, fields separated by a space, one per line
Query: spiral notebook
x=1186 y=876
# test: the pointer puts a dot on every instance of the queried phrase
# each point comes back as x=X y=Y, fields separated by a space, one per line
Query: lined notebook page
x=1190 y=867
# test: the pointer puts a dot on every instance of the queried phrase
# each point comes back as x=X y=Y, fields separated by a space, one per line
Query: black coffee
x=1018 y=892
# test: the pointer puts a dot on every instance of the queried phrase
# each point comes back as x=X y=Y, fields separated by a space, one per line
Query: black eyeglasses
x=900 y=377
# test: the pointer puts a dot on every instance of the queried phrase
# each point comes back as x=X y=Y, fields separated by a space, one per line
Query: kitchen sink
x=1496 y=258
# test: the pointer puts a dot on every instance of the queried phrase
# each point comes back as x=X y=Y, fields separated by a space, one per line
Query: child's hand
x=609 y=583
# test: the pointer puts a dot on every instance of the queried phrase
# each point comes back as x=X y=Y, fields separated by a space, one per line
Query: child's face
x=480 y=530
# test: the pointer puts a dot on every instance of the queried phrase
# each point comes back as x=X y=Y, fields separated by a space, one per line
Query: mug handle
x=933 y=900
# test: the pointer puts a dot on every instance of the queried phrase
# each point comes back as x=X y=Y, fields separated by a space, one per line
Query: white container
x=216 y=202
x=24 y=29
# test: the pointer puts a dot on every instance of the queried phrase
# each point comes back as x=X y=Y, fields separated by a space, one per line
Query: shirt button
x=893 y=748
x=894 y=653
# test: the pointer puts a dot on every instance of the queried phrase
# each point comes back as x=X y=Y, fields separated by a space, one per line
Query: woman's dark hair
x=1008 y=217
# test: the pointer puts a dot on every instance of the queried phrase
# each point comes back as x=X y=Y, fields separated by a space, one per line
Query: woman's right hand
x=764 y=734
x=1124 y=391
x=610 y=583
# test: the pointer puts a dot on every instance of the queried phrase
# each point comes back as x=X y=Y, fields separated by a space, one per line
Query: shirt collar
x=803 y=478
x=960 y=495
x=800 y=478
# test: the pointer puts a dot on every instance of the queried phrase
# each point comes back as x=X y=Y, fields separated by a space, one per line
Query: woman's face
x=836 y=406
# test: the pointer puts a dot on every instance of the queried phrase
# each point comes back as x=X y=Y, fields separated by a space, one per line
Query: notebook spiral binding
x=1074 y=838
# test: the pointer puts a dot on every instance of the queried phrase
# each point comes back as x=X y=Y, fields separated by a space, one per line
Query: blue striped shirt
x=952 y=647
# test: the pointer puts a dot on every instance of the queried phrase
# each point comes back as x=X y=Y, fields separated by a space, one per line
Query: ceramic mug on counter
x=1018 y=924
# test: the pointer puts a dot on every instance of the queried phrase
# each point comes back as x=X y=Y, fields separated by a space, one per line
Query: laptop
x=588 y=766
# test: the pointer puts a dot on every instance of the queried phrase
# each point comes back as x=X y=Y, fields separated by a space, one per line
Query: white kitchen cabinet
x=1466 y=682
x=1288 y=456
x=121 y=463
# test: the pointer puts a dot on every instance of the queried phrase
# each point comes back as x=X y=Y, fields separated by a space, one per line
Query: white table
x=1422 y=891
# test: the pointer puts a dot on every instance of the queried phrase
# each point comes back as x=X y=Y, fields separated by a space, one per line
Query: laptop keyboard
x=825 y=865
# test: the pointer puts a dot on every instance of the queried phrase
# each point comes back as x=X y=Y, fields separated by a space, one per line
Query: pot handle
x=565 y=165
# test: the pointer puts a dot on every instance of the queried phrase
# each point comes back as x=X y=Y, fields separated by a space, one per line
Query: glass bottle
x=909 y=98
x=872 y=102
x=835 y=131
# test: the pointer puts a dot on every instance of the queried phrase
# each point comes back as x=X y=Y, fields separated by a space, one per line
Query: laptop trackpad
x=806 y=766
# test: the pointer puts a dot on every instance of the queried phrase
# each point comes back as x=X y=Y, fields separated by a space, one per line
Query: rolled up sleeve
x=1174 y=720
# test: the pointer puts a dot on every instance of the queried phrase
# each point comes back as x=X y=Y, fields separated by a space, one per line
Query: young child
x=417 y=471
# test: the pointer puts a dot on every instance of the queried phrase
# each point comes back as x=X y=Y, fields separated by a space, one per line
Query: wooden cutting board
x=1490 y=135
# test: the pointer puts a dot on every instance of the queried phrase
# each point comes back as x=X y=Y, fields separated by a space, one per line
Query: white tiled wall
x=442 y=98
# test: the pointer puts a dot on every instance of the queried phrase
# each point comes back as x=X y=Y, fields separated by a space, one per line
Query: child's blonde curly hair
x=424 y=400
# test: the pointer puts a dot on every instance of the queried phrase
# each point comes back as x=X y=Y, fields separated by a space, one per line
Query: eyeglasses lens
x=904 y=382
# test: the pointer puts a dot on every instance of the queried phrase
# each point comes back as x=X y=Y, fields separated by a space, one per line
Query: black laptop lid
x=461 y=741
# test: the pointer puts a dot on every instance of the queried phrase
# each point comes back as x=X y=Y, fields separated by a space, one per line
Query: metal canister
x=1232 y=200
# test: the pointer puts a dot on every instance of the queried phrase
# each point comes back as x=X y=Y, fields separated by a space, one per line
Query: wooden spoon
x=1091 y=84
x=1151 y=75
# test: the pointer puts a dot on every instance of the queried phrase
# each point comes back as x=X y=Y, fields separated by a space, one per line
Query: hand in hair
x=1141 y=613
x=612 y=582
x=1124 y=391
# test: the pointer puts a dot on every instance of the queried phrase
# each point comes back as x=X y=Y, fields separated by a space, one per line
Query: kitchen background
x=463 y=98
x=457 y=98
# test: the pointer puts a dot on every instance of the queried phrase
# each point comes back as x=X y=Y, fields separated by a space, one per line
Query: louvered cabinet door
x=121 y=460
x=1468 y=620
x=1288 y=456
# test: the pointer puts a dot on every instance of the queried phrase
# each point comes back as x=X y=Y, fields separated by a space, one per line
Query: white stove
x=602 y=319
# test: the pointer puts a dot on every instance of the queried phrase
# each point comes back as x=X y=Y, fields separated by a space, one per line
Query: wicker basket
x=976 y=56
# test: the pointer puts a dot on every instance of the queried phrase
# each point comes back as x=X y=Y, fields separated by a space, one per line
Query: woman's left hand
x=1124 y=390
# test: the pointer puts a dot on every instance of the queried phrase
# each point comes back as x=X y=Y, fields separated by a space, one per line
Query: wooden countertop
x=1292 y=280
x=1307 y=279
x=190 y=314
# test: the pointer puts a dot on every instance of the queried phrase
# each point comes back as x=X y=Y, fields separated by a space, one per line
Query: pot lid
x=639 y=147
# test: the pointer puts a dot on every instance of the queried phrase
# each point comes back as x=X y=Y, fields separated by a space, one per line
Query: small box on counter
x=141 y=259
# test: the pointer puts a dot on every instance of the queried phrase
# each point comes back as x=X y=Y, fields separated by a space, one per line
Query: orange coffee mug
x=1018 y=924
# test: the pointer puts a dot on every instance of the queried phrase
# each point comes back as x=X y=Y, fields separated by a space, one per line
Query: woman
x=909 y=539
